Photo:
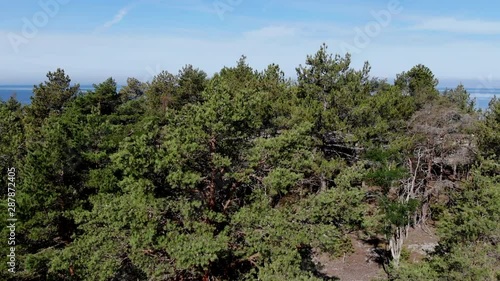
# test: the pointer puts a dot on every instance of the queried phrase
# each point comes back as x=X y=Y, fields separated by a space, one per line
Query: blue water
x=481 y=95
x=24 y=92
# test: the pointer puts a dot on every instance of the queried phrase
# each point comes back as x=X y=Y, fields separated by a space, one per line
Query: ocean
x=24 y=92
x=482 y=95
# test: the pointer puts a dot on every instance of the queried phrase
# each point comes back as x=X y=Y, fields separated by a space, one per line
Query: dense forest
x=246 y=175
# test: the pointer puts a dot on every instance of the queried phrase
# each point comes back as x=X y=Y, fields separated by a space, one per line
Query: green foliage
x=463 y=262
x=342 y=208
x=11 y=135
x=105 y=96
x=332 y=88
x=461 y=98
x=386 y=176
x=468 y=230
x=489 y=134
x=167 y=90
x=240 y=176
x=274 y=237
x=475 y=215
x=419 y=83
x=398 y=214
x=378 y=154
x=134 y=90
x=51 y=96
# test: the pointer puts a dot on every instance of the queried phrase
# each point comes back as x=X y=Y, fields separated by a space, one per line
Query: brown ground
x=420 y=241
x=364 y=265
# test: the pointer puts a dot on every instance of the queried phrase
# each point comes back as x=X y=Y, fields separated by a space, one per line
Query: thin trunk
x=396 y=243
x=323 y=182
x=429 y=169
x=399 y=235
x=211 y=185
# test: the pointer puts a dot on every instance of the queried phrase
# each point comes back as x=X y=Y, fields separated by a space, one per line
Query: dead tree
x=410 y=189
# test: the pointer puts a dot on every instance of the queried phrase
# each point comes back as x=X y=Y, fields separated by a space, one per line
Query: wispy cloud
x=301 y=30
x=449 y=24
x=116 y=19
x=271 y=32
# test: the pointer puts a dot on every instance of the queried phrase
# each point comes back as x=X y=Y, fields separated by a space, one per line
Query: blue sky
x=92 y=40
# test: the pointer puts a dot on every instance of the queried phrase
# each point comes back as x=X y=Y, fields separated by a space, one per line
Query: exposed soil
x=365 y=263
x=420 y=241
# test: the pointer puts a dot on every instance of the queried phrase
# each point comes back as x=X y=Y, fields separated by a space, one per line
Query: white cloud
x=271 y=32
x=300 y=31
x=94 y=57
x=116 y=19
x=449 y=24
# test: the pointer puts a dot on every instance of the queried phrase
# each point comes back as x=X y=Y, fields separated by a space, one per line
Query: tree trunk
x=396 y=243
x=211 y=185
x=323 y=183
